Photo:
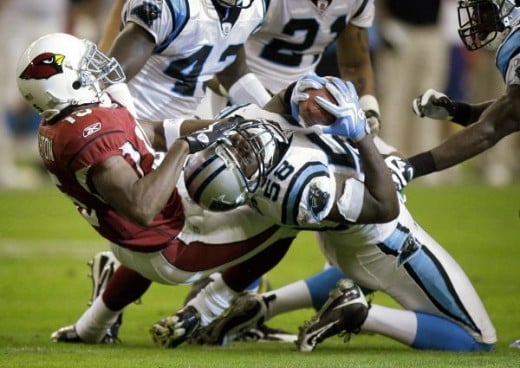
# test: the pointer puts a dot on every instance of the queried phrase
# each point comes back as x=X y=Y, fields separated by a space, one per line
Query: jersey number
x=272 y=188
x=188 y=70
x=289 y=53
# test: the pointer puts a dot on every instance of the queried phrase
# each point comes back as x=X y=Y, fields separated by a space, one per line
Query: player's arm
x=111 y=27
x=373 y=200
x=162 y=134
x=132 y=48
x=141 y=198
x=355 y=65
x=498 y=120
x=241 y=84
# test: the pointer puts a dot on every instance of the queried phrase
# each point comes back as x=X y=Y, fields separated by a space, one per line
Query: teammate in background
x=103 y=160
x=442 y=310
x=481 y=23
x=294 y=36
x=170 y=52
x=494 y=24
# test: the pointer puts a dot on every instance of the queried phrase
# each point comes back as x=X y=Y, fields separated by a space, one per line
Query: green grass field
x=44 y=247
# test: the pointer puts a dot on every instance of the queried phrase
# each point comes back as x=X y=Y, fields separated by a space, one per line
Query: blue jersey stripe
x=296 y=187
x=509 y=48
x=180 y=10
x=429 y=274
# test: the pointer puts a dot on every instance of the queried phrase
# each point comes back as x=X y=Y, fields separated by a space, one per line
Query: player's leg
x=112 y=292
x=418 y=273
x=218 y=294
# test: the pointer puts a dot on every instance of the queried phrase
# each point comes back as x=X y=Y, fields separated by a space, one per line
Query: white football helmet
x=486 y=22
x=59 y=70
x=224 y=175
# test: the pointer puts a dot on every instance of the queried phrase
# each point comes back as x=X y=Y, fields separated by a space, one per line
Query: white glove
x=434 y=105
x=309 y=80
x=371 y=108
x=350 y=121
x=402 y=171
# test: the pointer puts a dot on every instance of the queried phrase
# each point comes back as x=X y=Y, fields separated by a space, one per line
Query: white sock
x=288 y=298
x=400 y=325
x=213 y=300
x=93 y=324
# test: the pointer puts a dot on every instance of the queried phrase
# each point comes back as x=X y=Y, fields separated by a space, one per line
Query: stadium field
x=45 y=245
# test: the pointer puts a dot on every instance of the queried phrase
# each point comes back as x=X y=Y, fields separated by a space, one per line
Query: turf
x=44 y=247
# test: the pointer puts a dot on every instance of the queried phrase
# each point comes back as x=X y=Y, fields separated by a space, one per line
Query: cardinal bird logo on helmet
x=44 y=66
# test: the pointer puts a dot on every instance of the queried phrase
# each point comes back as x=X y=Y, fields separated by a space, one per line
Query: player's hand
x=370 y=106
x=402 y=171
x=214 y=133
x=434 y=105
x=308 y=81
x=350 y=121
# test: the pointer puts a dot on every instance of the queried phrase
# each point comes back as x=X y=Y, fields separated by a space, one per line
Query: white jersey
x=508 y=59
x=397 y=257
x=295 y=34
x=192 y=44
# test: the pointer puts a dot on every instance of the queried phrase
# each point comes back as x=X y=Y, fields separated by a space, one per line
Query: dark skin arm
x=132 y=48
x=380 y=202
x=354 y=61
x=140 y=199
x=234 y=71
x=497 y=120
x=380 y=199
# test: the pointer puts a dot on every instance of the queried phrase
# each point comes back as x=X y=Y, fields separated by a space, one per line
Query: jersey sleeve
x=508 y=58
x=316 y=200
x=163 y=20
x=364 y=15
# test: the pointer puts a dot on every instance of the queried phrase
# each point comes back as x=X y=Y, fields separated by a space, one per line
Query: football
x=313 y=114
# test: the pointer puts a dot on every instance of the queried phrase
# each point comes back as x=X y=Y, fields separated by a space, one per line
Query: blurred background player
x=491 y=24
x=169 y=53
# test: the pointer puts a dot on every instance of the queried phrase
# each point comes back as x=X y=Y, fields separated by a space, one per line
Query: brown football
x=313 y=114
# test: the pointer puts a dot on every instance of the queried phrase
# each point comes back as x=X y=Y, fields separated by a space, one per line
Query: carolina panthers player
x=441 y=309
x=294 y=36
x=482 y=23
x=169 y=50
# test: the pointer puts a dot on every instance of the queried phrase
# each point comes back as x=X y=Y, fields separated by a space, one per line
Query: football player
x=293 y=39
x=441 y=308
x=103 y=160
x=482 y=23
x=169 y=51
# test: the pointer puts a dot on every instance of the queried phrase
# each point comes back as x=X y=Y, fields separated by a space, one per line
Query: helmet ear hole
x=76 y=85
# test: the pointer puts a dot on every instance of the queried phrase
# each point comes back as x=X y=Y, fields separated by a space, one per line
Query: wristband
x=462 y=113
x=172 y=130
x=248 y=89
x=422 y=164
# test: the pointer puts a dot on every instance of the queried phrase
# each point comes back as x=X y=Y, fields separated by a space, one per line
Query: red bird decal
x=44 y=66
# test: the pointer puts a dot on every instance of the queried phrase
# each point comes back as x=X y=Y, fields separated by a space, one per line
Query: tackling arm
x=498 y=120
